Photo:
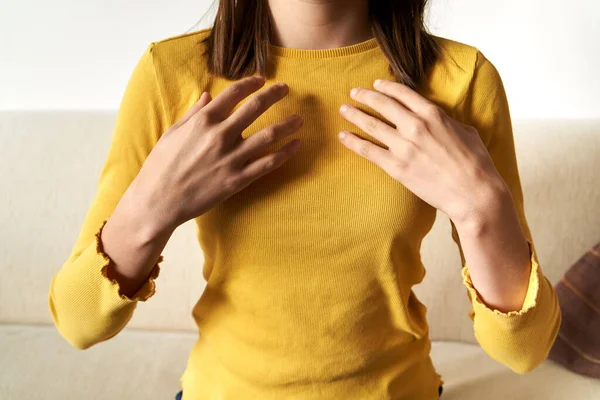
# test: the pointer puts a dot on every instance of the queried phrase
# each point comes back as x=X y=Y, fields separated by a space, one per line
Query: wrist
x=147 y=216
x=491 y=203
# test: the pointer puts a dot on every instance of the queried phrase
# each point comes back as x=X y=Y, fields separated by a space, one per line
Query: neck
x=319 y=24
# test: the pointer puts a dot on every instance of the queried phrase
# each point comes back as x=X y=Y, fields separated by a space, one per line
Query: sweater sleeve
x=519 y=339
x=86 y=305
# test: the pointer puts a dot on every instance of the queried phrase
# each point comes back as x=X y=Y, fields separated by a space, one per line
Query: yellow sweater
x=310 y=269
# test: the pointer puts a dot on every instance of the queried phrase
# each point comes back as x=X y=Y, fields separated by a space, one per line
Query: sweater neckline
x=291 y=52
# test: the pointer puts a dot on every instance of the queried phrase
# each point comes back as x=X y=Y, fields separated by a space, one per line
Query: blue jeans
x=440 y=390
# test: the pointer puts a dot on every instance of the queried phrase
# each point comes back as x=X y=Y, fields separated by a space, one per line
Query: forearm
x=516 y=315
x=133 y=238
x=496 y=250
x=93 y=296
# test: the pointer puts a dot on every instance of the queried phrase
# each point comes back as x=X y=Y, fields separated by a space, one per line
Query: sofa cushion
x=469 y=373
x=36 y=363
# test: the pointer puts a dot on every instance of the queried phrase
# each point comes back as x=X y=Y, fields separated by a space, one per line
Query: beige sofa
x=49 y=166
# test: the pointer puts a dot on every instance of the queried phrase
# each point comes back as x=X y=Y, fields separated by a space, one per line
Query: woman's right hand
x=202 y=159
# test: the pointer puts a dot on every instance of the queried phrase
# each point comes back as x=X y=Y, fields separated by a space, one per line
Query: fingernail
x=353 y=92
x=377 y=82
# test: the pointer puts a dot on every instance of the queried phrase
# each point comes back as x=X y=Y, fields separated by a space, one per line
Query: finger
x=221 y=106
x=202 y=101
x=387 y=106
x=382 y=157
x=268 y=163
x=402 y=93
x=248 y=112
x=371 y=125
x=264 y=138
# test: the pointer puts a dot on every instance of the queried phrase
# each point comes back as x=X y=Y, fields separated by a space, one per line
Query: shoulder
x=177 y=65
x=470 y=88
x=173 y=51
x=460 y=77
x=461 y=52
x=462 y=59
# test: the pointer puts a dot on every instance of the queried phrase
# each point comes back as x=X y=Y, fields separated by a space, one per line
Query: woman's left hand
x=439 y=159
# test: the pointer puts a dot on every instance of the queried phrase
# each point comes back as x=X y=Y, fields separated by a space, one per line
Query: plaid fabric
x=577 y=346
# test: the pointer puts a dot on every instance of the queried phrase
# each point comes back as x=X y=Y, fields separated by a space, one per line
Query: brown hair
x=238 y=41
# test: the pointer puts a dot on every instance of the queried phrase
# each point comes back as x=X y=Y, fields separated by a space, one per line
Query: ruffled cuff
x=148 y=288
x=531 y=298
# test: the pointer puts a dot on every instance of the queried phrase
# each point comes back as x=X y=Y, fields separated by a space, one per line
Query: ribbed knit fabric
x=309 y=269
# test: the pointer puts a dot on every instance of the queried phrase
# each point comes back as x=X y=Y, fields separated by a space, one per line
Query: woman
x=311 y=247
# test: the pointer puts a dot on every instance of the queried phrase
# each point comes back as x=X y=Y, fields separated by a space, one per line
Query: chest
x=326 y=197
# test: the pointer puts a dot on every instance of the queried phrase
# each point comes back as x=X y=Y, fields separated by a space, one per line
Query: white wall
x=547 y=51
x=67 y=54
